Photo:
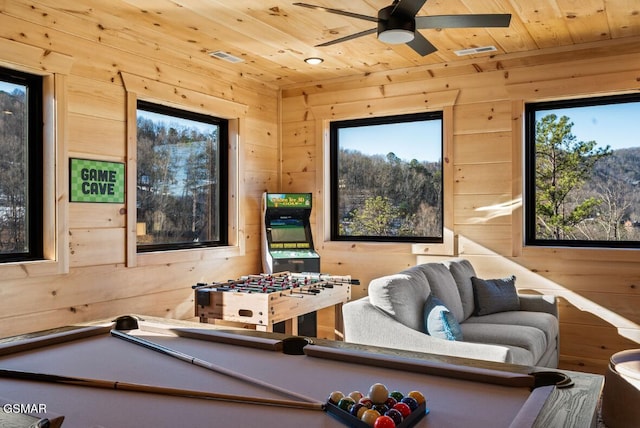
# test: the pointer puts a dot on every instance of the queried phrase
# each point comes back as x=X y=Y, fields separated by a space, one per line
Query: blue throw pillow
x=439 y=321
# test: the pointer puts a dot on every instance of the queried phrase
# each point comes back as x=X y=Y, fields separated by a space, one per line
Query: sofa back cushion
x=444 y=287
x=402 y=296
x=462 y=271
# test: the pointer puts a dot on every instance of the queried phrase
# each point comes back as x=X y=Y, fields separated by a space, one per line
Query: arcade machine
x=287 y=242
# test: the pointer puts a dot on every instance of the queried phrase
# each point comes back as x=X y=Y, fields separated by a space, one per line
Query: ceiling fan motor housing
x=395 y=28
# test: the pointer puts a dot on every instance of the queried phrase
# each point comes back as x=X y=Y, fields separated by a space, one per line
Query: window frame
x=334 y=127
x=223 y=176
x=530 y=222
x=35 y=208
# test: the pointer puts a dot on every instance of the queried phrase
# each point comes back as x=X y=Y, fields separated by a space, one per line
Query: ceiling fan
x=398 y=23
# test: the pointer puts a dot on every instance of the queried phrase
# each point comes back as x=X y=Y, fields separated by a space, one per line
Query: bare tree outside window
x=181 y=179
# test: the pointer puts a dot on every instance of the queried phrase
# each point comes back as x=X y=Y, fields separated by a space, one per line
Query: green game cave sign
x=96 y=181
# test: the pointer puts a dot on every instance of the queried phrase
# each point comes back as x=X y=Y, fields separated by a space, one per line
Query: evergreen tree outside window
x=21 y=163
x=582 y=173
x=386 y=182
x=181 y=179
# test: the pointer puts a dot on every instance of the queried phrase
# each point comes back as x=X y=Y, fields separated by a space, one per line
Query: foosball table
x=267 y=299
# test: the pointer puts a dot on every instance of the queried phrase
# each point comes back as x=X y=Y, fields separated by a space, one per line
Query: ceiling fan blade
x=338 y=12
x=421 y=45
x=463 y=21
x=350 y=37
x=408 y=7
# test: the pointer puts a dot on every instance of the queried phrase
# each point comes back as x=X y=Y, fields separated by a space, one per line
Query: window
x=181 y=179
x=583 y=173
x=386 y=179
x=21 y=163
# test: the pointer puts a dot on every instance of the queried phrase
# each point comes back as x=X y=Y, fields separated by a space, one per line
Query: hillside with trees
x=13 y=191
x=388 y=196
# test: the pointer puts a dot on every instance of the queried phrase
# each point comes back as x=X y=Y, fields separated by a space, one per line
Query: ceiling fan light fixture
x=395 y=28
x=396 y=37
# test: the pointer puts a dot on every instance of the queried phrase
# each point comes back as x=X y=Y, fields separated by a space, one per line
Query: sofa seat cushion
x=520 y=356
x=530 y=338
x=402 y=296
x=543 y=321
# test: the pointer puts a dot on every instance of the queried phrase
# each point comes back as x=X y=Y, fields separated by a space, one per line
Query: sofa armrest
x=366 y=324
x=539 y=303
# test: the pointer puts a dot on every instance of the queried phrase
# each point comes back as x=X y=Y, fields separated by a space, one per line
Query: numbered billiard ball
x=403 y=409
x=380 y=408
x=384 y=422
x=335 y=396
x=366 y=401
x=369 y=417
x=411 y=402
x=345 y=403
x=418 y=396
x=358 y=410
x=395 y=415
x=397 y=395
x=390 y=402
x=356 y=395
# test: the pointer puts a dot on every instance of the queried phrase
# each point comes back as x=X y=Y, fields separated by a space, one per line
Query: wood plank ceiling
x=273 y=37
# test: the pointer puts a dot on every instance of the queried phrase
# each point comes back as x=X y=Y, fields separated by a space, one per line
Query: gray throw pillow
x=495 y=295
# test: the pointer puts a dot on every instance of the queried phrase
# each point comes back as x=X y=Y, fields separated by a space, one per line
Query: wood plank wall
x=599 y=291
x=98 y=283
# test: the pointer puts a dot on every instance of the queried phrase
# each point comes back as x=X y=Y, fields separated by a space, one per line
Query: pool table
x=152 y=372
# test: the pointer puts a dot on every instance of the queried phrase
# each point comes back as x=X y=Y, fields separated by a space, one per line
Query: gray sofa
x=443 y=308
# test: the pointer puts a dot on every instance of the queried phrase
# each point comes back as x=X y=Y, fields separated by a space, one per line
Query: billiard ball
x=358 y=410
x=418 y=396
x=390 y=402
x=335 y=396
x=369 y=417
x=380 y=408
x=411 y=402
x=366 y=401
x=356 y=395
x=378 y=393
x=395 y=415
x=403 y=409
x=345 y=403
x=384 y=422
x=397 y=395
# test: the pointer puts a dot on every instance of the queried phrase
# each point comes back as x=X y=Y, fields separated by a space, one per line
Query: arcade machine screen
x=287 y=231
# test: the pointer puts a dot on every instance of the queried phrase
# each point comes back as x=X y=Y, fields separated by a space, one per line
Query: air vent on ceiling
x=472 y=51
x=226 y=56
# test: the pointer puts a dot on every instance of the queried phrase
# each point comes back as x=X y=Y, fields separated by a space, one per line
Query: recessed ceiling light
x=314 y=60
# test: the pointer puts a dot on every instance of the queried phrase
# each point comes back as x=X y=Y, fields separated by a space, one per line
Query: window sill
x=190 y=255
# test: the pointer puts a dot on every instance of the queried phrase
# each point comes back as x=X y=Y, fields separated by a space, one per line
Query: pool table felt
x=453 y=402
